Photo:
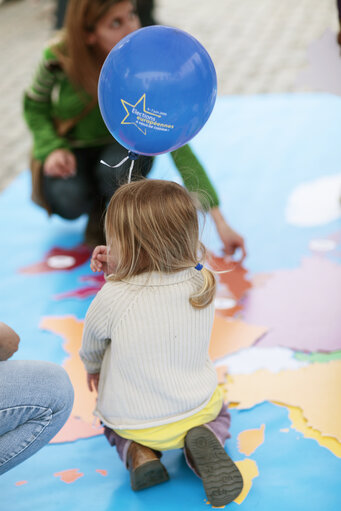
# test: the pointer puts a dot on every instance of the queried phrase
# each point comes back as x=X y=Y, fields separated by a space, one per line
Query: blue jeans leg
x=36 y=399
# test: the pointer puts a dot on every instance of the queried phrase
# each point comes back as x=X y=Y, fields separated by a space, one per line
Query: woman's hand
x=60 y=163
x=231 y=240
x=92 y=380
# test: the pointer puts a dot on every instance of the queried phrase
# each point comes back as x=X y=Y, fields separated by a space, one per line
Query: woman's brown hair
x=154 y=225
x=74 y=53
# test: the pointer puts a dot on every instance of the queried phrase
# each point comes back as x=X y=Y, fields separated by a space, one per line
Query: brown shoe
x=220 y=476
x=145 y=467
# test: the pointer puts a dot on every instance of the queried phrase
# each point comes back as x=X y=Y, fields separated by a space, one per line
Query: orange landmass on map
x=235 y=282
x=313 y=389
x=69 y=476
x=221 y=373
x=235 y=279
x=299 y=423
x=232 y=335
x=20 y=483
x=250 y=439
x=80 y=423
x=249 y=470
x=102 y=472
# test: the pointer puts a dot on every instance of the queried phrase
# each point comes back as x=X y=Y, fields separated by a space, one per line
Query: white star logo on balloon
x=142 y=100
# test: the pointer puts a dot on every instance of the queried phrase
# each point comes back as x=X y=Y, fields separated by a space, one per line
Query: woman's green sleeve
x=194 y=176
x=37 y=109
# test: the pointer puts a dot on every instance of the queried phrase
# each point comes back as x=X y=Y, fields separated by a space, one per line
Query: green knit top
x=52 y=96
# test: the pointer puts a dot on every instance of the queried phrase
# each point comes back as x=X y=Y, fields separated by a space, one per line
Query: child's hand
x=92 y=380
x=99 y=259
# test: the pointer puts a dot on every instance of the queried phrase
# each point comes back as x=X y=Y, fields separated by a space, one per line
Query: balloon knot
x=132 y=155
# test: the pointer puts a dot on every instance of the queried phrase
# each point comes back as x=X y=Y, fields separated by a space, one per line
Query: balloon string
x=115 y=166
x=121 y=163
x=218 y=272
x=131 y=170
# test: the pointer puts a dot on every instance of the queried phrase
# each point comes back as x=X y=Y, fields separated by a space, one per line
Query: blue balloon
x=156 y=90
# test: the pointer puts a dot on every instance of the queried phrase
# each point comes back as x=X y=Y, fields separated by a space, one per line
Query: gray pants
x=220 y=427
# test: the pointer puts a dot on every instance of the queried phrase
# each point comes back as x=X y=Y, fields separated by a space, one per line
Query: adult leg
x=73 y=196
x=109 y=179
x=206 y=456
x=60 y=10
x=145 y=10
x=36 y=399
x=338 y=3
x=106 y=182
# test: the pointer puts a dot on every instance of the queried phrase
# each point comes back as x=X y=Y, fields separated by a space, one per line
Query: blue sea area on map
x=294 y=473
x=257 y=150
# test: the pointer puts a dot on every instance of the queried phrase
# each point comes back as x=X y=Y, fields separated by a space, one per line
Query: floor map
x=276 y=340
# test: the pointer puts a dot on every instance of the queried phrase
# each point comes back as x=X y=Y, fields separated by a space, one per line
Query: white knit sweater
x=151 y=349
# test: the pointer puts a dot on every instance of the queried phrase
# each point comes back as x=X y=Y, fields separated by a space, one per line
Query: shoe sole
x=221 y=478
x=147 y=475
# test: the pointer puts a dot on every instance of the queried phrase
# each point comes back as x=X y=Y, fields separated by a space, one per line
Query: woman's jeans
x=36 y=399
x=93 y=185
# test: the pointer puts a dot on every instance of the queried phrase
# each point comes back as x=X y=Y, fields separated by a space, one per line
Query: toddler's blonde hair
x=154 y=225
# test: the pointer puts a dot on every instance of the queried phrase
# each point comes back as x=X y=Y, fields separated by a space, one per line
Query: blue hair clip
x=199 y=267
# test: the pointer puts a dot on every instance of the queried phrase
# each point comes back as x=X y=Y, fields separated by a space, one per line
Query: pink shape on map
x=79 y=293
x=336 y=236
x=85 y=292
x=73 y=258
x=96 y=278
x=20 y=483
x=74 y=429
x=301 y=307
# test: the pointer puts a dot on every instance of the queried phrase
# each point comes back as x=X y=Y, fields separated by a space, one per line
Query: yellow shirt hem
x=172 y=436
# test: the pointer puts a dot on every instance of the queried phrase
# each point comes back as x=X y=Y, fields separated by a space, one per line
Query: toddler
x=146 y=338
